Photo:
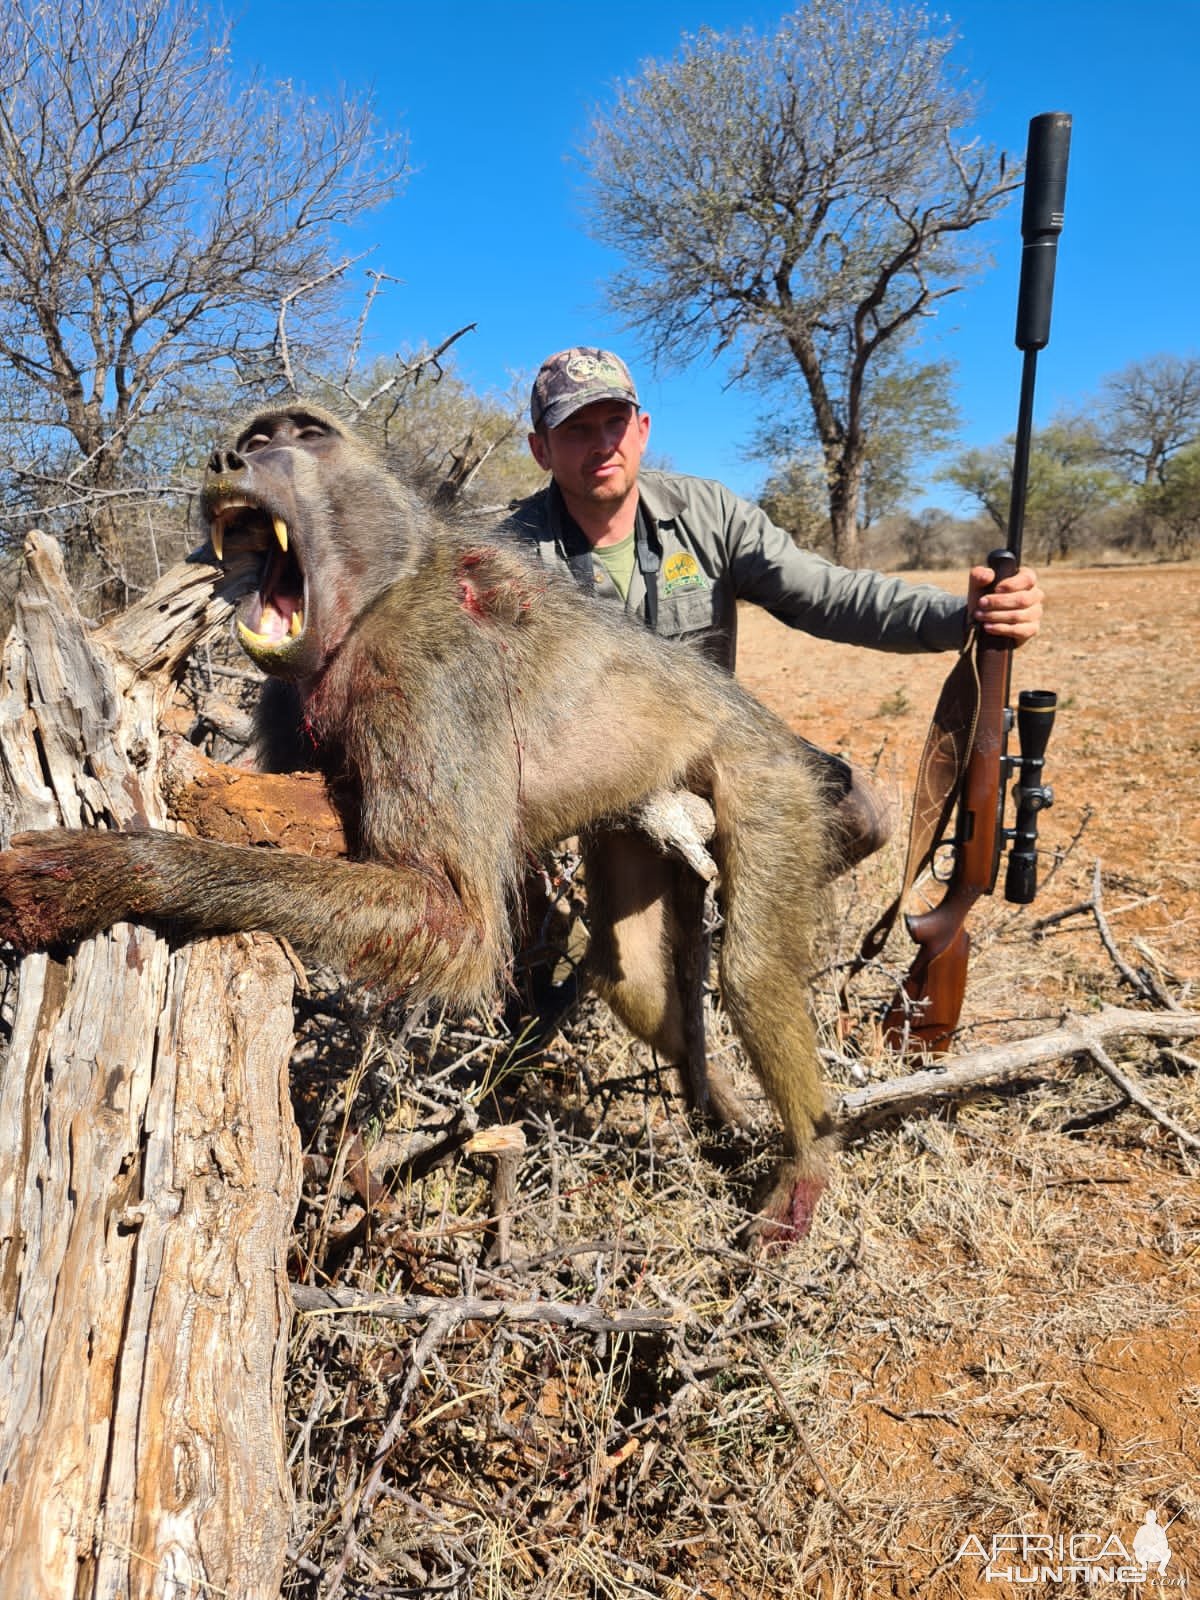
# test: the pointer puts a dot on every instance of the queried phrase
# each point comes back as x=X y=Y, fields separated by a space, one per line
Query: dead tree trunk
x=149 y=1168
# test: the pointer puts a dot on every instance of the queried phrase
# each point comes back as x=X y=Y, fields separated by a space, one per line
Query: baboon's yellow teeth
x=296 y=625
x=217 y=539
x=253 y=637
x=281 y=533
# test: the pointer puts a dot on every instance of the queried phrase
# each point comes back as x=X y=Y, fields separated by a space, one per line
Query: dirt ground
x=1057 y=1388
x=1119 y=645
x=980 y=1373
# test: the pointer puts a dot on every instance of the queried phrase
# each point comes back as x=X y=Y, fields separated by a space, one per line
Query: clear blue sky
x=494 y=98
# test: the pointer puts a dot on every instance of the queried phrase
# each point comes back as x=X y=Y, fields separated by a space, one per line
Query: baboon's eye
x=311 y=430
x=254 y=441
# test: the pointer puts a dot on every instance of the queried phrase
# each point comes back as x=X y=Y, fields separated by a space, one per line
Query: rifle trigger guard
x=941 y=865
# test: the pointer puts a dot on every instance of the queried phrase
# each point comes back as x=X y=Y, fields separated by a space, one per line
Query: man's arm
x=862 y=607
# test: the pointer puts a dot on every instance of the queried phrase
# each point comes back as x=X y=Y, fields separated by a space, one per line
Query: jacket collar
x=661 y=497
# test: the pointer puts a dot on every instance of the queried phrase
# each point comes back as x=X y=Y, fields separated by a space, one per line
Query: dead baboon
x=469 y=708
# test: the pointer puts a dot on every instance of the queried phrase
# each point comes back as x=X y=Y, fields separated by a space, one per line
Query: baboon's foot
x=787 y=1206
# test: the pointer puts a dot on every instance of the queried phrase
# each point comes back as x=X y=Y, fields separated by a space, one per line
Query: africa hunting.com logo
x=1088 y=1558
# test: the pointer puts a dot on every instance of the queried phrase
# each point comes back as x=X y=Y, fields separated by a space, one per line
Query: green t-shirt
x=618 y=561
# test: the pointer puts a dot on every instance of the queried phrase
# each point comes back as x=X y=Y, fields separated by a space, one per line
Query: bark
x=149 y=1167
x=845 y=480
x=235 y=805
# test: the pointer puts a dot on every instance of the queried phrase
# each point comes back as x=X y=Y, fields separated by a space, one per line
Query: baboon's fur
x=471 y=708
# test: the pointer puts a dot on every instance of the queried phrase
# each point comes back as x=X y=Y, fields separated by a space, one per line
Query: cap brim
x=558 y=411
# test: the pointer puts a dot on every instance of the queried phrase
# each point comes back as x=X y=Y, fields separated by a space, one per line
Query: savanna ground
x=992 y=1329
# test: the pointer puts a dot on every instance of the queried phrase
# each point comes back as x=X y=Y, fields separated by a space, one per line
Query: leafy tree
x=800 y=199
x=795 y=497
x=985 y=475
x=908 y=412
x=1070 y=484
x=1149 y=411
x=929 y=538
x=155 y=213
x=1174 y=502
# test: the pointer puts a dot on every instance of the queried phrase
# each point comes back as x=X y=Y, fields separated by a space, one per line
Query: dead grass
x=992 y=1328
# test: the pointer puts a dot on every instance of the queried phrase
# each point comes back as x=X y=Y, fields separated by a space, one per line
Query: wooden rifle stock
x=928 y=1007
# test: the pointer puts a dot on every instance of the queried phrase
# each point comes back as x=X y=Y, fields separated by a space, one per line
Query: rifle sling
x=939 y=780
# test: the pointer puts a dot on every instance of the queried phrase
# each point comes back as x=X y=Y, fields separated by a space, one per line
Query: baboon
x=470 y=708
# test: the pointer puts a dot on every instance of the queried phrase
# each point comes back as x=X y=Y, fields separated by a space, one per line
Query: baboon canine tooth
x=281 y=532
x=249 y=633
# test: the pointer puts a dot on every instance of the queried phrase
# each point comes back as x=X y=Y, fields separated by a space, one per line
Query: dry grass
x=992 y=1327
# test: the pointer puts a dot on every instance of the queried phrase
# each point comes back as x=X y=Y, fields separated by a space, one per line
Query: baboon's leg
x=550 y=947
x=648 y=959
x=862 y=822
x=772 y=858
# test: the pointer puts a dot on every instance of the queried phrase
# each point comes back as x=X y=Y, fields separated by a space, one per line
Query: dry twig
x=1138 y=1097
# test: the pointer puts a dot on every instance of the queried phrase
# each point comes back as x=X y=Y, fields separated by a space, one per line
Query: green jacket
x=714 y=549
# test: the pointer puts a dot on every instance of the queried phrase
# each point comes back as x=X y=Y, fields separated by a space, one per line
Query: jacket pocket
x=693 y=611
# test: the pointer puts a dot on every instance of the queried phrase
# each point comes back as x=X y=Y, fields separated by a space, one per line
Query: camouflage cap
x=574 y=378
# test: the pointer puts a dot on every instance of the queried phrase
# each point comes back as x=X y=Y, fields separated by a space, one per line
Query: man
x=679 y=552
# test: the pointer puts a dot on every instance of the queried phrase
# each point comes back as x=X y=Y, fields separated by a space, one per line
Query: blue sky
x=495 y=97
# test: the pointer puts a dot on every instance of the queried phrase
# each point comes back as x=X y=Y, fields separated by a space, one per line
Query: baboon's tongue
x=281 y=618
x=282 y=613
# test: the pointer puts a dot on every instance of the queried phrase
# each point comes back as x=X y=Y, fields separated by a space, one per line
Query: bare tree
x=800 y=199
x=1151 y=410
x=154 y=211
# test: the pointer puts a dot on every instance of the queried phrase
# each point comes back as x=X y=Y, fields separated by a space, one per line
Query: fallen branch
x=1143 y=983
x=1003 y=1063
x=357 y=1508
x=472 y=1308
x=801 y=1432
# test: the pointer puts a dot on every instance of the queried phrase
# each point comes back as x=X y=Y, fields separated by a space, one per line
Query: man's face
x=595 y=454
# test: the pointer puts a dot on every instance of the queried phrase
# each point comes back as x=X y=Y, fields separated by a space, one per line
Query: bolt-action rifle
x=927 y=1010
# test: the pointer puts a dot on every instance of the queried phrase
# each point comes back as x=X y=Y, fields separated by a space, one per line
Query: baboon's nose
x=225 y=461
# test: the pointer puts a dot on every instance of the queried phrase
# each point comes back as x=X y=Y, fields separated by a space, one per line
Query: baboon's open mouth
x=272 y=615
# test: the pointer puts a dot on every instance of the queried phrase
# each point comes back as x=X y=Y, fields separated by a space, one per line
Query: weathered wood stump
x=149 y=1165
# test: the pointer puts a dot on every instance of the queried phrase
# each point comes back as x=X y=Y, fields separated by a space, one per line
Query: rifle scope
x=1035 y=718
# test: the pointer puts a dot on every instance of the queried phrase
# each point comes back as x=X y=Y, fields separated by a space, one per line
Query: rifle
x=927 y=1009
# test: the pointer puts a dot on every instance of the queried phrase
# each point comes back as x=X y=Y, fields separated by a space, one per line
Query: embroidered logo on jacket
x=682 y=571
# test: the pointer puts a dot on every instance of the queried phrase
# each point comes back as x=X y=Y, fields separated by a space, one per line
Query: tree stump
x=149 y=1164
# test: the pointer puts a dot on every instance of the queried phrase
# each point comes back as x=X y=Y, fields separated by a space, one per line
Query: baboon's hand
x=46 y=894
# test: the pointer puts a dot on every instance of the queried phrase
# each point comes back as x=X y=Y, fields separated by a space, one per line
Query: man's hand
x=1014 y=608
